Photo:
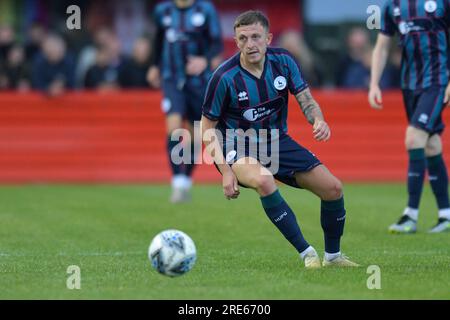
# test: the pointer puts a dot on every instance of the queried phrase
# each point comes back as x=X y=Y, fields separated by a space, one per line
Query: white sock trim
x=306 y=251
x=331 y=256
x=412 y=213
x=444 y=213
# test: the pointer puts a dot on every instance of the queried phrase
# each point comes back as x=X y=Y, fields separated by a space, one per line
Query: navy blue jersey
x=423 y=29
x=237 y=99
x=182 y=32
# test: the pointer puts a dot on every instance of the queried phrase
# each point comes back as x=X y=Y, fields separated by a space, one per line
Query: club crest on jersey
x=430 y=6
x=396 y=12
x=280 y=83
x=242 y=96
x=198 y=19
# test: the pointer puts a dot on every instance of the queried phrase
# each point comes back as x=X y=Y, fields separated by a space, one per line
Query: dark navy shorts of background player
x=424 y=108
x=186 y=101
x=292 y=158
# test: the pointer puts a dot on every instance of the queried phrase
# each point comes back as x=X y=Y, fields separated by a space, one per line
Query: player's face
x=252 y=41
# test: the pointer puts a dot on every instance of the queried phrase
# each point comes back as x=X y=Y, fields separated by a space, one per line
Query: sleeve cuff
x=300 y=89
x=210 y=117
x=386 y=33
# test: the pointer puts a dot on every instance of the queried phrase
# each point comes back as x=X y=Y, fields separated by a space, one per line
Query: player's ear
x=269 y=38
x=236 y=41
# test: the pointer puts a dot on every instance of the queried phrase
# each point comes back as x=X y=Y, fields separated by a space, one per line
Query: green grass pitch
x=106 y=230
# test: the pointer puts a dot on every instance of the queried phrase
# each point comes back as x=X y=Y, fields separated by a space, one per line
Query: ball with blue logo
x=172 y=253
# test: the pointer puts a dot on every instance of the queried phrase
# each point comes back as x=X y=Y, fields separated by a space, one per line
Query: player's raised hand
x=230 y=185
x=321 y=130
x=196 y=65
x=153 y=77
x=375 y=97
x=447 y=95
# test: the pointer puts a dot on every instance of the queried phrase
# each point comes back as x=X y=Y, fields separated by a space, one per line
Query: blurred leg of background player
x=438 y=176
x=424 y=146
x=182 y=108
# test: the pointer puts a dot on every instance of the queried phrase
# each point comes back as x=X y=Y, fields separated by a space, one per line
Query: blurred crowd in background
x=113 y=47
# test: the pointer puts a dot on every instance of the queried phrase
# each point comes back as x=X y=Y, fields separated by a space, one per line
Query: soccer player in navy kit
x=186 y=48
x=250 y=91
x=422 y=26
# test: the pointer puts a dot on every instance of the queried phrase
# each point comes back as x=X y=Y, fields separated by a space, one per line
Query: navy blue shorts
x=292 y=158
x=424 y=108
x=186 y=101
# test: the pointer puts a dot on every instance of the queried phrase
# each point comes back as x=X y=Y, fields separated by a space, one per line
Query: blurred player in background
x=250 y=92
x=187 y=47
x=423 y=29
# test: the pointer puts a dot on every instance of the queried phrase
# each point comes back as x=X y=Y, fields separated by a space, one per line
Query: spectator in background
x=104 y=75
x=15 y=71
x=130 y=20
x=6 y=40
x=88 y=55
x=294 y=42
x=36 y=35
x=134 y=72
x=354 y=71
x=53 y=67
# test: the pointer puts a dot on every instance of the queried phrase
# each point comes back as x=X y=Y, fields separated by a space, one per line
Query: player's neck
x=255 y=69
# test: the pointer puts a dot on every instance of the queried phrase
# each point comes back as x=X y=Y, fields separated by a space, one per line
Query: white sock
x=412 y=213
x=179 y=181
x=307 y=250
x=187 y=183
x=331 y=256
x=444 y=213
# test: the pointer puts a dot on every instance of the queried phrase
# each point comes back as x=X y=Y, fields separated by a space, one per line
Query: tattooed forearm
x=309 y=106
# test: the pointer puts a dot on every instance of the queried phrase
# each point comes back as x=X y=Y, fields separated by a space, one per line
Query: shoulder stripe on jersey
x=214 y=83
x=287 y=54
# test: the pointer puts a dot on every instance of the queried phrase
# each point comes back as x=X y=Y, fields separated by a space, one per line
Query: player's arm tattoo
x=309 y=106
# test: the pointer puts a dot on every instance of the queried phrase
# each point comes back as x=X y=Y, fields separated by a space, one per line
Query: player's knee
x=265 y=184
x=415 y=138
x=431 y=150
x=411 y=143
x=173 y=122
x=334 y=191
x=434 y=147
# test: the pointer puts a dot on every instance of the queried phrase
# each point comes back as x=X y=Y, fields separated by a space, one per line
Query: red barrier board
x=120 y=137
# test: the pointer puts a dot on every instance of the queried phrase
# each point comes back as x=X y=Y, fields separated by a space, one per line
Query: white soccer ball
x=172 y=253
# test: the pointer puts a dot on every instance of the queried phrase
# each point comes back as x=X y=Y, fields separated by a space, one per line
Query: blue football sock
x=437 y=172
x=189 y=167
x=284 y=219
x=416 y=173
x=332 y=219
x=176 y=168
